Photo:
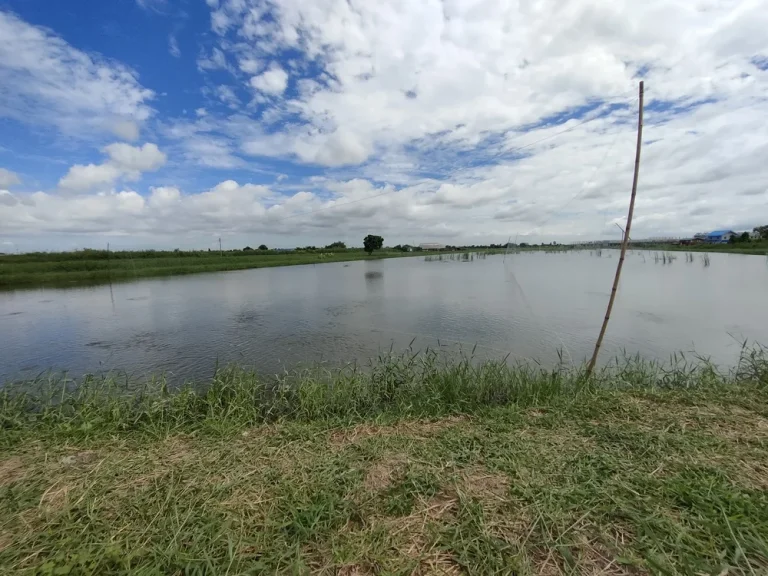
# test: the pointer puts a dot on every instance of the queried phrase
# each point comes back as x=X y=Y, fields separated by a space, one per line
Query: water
x=530 y=305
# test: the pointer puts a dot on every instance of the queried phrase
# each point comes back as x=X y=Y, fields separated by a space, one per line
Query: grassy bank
x=94 y=266
x=420 y=465
x=755 y=248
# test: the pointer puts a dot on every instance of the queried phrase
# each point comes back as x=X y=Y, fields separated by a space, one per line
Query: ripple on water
x=651 y=317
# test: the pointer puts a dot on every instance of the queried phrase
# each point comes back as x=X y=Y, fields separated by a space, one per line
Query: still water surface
x=529 y=305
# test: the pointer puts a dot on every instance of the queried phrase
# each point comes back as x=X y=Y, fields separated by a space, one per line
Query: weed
x=646 y=468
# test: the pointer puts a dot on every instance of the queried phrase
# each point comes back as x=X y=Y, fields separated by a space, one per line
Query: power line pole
x=625 y=240
x=220 y=252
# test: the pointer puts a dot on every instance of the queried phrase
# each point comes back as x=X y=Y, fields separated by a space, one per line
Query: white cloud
x=457 y=72
x=7 y=199
x=81 y=177
x=200 y=148
x=8 y=178
x=166 y=210
x=337 y=149
x=125 y=162
x=173 y=46
x=155 y=5
x=126 y=130
x=250 y=65
x=46 y=81
x=164 y=197
x=146 y=158
x=215 y=61
x=273 y=81
x=227 y=95
x=443 y=120
x=212 y=152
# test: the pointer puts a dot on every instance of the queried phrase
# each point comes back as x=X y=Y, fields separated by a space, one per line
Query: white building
x=431 y=246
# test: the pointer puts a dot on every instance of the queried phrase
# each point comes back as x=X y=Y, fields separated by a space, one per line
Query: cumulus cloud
x=455 y=121
x=8 y=178
x=125 y=162
x=165 y=211
x=80 y=177
x=450 y=98
x=273 y=81
x=126 y=129
x=457 y=72
x=129 y=159
x=480 y=206
x=47 y=81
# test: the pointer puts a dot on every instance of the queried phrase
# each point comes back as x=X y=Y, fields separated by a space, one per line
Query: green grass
x=755 y=247
x=417 y=465
x=93 y=267
x=100 y=266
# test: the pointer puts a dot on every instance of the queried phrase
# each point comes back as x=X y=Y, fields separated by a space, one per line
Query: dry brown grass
x=11 y=470
x=354 y=570
x=414 y=533
x=380 y=474
x=56 y=497
x=479 y=483
x=5 y=540
x=413 y=429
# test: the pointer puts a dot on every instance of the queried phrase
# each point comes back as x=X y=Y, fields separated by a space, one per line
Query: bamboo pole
x=625 y=240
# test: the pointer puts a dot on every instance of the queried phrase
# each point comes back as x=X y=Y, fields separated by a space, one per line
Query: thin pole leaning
x=625 y=240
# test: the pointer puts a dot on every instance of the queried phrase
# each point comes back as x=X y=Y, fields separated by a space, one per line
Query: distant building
x=431 y=246
x=720 y=236
x=754 y=235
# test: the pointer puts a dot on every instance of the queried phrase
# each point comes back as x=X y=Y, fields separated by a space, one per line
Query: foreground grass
x=417 y=466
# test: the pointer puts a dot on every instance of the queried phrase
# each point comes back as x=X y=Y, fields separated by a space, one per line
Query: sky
x=173 y=123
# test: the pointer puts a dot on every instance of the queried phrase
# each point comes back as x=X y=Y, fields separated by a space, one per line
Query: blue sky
x=170 y=123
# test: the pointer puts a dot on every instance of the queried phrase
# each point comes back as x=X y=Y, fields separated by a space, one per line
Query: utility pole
x=220 y=252
x=625 y=240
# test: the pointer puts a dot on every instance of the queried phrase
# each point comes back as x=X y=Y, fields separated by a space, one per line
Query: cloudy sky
x=169 y=123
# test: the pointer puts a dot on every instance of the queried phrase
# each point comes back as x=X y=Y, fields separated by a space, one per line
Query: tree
x=744 y=237
x=263 y=247
x=763 y=231
x=247 y=249
x=336 y=245
x=371 y=243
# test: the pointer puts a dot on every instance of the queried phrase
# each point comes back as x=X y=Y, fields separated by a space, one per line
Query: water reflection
x=529 y=305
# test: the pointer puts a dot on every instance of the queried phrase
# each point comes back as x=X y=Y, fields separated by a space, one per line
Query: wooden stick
x=625 y=240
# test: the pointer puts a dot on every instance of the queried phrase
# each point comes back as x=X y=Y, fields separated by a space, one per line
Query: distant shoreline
x=92 y=267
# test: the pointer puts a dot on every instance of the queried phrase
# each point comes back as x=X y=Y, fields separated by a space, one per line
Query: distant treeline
x=335 y=247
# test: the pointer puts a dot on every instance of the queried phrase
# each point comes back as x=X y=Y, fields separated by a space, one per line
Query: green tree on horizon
x=372 y=242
